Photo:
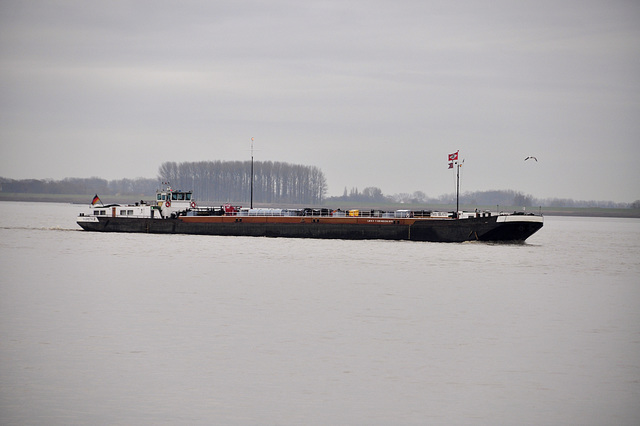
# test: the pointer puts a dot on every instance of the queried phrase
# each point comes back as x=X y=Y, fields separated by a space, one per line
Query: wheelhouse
x=173 y=195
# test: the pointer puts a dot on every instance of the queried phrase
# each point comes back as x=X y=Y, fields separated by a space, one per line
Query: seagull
x=531 y=158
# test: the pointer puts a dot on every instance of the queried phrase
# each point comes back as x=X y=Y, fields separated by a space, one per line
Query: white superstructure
x=169 y=202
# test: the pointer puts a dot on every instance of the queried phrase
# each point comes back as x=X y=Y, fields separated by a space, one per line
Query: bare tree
x=231 y=181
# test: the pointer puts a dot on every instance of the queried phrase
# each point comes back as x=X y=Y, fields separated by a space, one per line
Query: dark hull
x=435 y=230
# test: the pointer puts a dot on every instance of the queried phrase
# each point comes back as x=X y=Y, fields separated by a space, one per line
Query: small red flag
x=451 y=165
x=454 y=156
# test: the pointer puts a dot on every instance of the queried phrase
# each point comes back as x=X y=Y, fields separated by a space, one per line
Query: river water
x=168 y=329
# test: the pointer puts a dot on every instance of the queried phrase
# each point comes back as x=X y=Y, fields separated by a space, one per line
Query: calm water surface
x=152 y=329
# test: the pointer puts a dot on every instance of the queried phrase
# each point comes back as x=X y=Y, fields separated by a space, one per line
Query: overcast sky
x=374 y=93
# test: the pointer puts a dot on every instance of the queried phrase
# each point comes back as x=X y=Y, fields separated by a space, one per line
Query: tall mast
x=457 y=190
x=251 y=172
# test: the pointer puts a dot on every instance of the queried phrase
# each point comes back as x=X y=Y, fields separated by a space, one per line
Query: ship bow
x=513 y=228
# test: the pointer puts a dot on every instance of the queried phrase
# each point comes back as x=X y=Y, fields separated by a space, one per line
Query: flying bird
x=531 y=158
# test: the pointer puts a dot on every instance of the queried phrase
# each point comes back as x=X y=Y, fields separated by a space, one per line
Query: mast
x=251 y=172
x=457 y=190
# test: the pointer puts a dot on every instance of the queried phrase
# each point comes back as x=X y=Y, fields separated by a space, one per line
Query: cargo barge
x=176 y=212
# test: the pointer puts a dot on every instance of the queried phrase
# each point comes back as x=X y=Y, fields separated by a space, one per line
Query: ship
x=176 y=212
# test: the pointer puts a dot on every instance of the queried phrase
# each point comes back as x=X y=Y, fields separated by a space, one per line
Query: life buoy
x=168 y=203
x=193 y=204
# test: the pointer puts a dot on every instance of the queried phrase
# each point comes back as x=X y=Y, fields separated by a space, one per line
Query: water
x=155 y=329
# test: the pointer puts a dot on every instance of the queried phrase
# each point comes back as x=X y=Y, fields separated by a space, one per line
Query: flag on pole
x=451 y=165
x=454 y=156
x=96 y=200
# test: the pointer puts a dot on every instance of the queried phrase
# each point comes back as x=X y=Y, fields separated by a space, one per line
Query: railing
x=305 y=212
x=315 y=212
x=122 y=216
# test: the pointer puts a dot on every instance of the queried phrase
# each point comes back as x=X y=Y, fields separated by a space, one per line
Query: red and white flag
x=451 y=165
x=454 y=156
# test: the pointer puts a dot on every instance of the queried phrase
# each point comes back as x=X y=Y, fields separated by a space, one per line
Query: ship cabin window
x=129 y=212
x=180 y=196
x=174 y=196
x=188 y=196
x=99 y=212
x=123 y=212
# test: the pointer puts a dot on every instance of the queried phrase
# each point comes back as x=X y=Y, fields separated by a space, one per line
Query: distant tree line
x=480 y=198
x=273 y=182
x=370 y=194
x=81 y=186
x=373 y=194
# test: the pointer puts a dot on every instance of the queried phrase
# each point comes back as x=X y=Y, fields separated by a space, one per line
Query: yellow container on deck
x=354 y=212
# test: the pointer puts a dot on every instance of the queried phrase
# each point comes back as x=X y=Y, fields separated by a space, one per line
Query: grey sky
x=375 y=93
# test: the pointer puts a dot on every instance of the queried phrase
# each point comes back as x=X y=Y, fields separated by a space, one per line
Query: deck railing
x=271 y=212
x=316 y=212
